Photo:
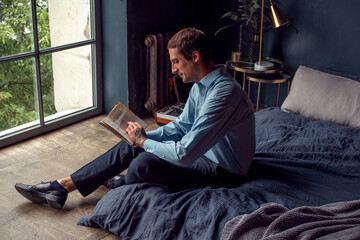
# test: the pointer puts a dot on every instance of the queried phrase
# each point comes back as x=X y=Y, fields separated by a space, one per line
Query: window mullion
x=78 y=49
x=37 y=63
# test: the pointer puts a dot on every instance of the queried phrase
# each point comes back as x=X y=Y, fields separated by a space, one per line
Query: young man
x=210 y=144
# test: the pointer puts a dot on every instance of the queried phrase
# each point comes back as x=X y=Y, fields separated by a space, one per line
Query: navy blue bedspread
x=299 y=161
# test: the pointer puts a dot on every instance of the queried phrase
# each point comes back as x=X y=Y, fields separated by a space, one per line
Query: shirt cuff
x=151 y=134
x=149 y=145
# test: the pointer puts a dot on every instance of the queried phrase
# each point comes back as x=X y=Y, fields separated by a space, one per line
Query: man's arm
x=173 y=131
x=212 y=123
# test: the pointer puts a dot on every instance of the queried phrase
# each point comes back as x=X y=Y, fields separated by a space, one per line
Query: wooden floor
x=44 y=158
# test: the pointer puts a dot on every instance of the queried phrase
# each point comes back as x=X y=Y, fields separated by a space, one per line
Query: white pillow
x=324 y=96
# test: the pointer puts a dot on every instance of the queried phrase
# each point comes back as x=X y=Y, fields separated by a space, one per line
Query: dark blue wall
x=328 y=38
x=328 y=35
x=125 y=26
x=115 y=66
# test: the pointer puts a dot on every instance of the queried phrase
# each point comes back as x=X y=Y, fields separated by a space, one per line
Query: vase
x=254 y=49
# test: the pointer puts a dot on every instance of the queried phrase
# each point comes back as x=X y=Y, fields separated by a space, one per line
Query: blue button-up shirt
x=217 y=123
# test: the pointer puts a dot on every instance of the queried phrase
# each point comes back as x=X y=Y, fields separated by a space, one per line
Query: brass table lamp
x=278 y=19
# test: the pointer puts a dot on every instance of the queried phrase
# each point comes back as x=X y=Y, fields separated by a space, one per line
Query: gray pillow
x=324 y=96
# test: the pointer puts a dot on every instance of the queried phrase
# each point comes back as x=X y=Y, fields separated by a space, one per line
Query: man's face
x=182 y=67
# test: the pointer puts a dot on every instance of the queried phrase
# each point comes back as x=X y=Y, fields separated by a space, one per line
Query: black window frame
x=96 y=43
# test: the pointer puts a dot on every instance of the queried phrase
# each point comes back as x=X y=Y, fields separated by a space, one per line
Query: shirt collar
x=212 y=76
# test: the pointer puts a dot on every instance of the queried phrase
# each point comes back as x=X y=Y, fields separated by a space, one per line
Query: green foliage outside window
x=18 y=96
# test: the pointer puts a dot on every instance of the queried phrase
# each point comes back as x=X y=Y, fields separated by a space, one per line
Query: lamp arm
x=261 y=29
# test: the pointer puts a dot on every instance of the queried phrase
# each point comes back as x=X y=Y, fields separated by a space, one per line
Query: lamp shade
x=277 y=17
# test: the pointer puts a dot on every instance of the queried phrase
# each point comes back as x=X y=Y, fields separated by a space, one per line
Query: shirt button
x=147 y=150
x=163 y=156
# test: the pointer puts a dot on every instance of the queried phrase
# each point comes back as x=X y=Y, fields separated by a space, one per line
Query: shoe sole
x=39 y=197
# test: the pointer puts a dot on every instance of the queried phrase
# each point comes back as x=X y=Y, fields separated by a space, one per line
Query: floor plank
x=48 y=157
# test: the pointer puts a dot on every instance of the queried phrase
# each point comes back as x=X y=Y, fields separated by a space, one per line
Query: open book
x=116 y=121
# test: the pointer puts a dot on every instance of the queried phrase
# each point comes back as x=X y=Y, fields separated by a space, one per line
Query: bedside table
x=278 y=78
x=277 y=75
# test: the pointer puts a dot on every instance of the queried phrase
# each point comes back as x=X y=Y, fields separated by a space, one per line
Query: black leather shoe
x=113 y=182
x=43 y=193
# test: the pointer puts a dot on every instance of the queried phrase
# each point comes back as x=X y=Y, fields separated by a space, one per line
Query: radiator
x=157 y=71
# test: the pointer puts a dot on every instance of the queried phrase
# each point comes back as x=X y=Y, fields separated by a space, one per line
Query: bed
x=306 y=169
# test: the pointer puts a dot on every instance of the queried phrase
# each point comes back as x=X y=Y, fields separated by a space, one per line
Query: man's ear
x=196 y=56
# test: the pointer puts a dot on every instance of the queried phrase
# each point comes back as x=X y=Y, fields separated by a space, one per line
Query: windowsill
x=36 y=123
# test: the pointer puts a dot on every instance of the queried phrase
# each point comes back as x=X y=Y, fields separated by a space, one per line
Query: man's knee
x=143 y=167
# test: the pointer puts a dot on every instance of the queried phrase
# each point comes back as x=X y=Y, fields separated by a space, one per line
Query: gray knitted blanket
x=339 y=220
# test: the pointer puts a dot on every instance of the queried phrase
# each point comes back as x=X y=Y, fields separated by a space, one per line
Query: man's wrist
x=140 y=135
x=141 y=142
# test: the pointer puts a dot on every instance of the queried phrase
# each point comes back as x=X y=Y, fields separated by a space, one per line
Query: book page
x=120 y=115
x=117 y=119
x=118 y=131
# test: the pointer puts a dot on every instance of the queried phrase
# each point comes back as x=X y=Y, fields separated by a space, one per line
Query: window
x=50 y=72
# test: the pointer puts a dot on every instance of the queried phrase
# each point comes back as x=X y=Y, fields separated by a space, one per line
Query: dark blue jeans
x=147 y=167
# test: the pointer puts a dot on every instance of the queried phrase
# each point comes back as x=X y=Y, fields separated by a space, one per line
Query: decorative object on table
x=236 y=56
x=247 y=16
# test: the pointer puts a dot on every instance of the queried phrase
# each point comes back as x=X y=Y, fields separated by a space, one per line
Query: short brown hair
x=188 y=40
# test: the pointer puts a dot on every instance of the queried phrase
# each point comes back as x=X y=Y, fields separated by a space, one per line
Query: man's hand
x=136 y=133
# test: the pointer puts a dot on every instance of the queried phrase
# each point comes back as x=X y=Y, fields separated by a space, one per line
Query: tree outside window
x=47 y=70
